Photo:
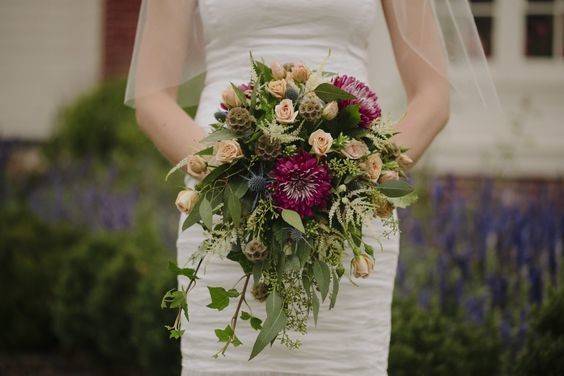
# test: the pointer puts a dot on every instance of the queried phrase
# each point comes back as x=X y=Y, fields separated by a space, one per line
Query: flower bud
x=278 y=71
x=362 y=265
x=330 y=110
x=230 y=98
x=186 y=200
x=405 y=161
x=388 y=176
x=197 y=166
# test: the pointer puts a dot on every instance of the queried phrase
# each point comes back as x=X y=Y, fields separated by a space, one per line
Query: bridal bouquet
x=297 y=162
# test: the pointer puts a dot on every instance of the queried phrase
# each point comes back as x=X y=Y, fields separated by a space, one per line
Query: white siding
x=49 y=52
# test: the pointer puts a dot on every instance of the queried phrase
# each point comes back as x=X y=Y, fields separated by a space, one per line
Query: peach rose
x=362 y=265
x=355 y=149
x=278 y=71
x=186 y=200
x=320 y=142
x=284 y=112
x=330 y=110
x=388 y=176
x=226 y=151
x=277 y=88
x=230 y=98
x=405 y=161
x=300 y=72
x=197 y=166
x=372 y=166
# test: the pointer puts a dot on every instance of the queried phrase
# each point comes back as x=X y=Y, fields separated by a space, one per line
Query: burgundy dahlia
x=300 y=183
x=366 y=99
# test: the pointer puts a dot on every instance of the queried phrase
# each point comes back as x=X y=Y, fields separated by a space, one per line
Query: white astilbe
x=219 y=243
x=355 y=207
x=280 y=132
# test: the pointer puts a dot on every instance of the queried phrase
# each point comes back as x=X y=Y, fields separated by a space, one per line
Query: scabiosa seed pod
x=239 y=119
x=255 y=251
x=220 y=116
x=292 y=93
x=260 y=292
x=268 y=148
x=288 y=66
x=311 y=107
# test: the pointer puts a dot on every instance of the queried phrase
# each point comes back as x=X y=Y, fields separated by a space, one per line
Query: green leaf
x=395 y=188
x=315 y=306
x=238 y=256
x=220 y=297
x=404 y=201
x=329 y=92
x=292 y=263
x=188 y=272
x=206 y=213
x=206 y=151
x=275 y=321
x=239 y=186
x=257 y=272
x=303 y=252
x=293 y=219
x=193 y=217
x=322 y=275
x=335 y=290
x=227 y=335
x=239 y=93
x=213 y=175
x=232 y=205
x=256 y=323
x=245 y=315
x=219 y=135
x=176 y=333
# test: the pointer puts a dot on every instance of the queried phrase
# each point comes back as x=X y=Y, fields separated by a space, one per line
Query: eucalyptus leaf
x=239 y=93
x=232 y=206
x=206 y=151
x=206 y=213
x=328 y=92
x=335 y=290
x=275 y=321
x=193 y=216
x=322 y=275
x=293 y=219
x=315 y=306
x=395 y=188
x=214 y=174
x=219 y=135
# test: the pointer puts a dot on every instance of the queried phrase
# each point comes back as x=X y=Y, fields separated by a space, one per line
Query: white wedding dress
x=353 y=338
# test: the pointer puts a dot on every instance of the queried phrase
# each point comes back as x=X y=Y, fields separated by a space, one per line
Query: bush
x=544 y=350
x=30 y=260
x=429 y=343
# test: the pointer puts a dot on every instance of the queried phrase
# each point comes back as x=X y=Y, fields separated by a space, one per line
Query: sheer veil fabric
x=169 y=53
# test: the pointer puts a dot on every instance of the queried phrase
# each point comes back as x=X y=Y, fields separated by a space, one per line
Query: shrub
x=425 y=342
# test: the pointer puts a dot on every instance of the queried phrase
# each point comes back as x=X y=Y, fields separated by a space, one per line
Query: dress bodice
x=285 y=31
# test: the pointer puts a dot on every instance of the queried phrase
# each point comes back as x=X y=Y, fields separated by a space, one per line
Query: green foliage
x=544 y=350
x=429 y=343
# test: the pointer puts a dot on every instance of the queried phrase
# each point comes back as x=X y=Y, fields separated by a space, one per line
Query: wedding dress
x=352 y=338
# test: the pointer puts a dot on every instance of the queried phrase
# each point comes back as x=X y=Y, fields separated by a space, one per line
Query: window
x=483 y=11
x=544 y=28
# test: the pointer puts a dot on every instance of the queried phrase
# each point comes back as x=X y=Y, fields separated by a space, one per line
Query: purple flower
x=366 y=99
x=300 y=183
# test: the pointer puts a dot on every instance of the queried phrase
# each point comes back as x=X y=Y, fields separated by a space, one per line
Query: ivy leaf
x=175 y=333
x=293 y=219
x=395 y=188
x=187 y=272
x=328 y=92
x=206 y=213
x=220 y=297
x=219 y=135
x=256 y=323
x=245 y=315
x=227 y=335
x=322 y=275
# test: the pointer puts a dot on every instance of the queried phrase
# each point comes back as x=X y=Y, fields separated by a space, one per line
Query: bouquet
x=297 y=162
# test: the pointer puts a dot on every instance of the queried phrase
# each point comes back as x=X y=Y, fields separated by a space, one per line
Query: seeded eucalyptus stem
x=236 y=314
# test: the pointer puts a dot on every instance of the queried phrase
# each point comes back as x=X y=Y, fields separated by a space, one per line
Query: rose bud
x=278 y=71
x=330 y=110
x=320 y=142
x=405 y=161
x=230 y=98
x=186 y=200
x=197 y=166
x=226 y=151
x=300 y=72
x=362 y=265
x=389 y=176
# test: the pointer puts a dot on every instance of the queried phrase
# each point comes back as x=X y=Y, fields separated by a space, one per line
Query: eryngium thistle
x=268 y=148
x=311 y=107
x=239 y=119
x=257 y=183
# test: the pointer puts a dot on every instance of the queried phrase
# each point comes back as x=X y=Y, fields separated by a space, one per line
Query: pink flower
x=300 y=183
x=366 y=99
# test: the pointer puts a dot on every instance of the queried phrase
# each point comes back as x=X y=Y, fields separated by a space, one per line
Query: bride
x=186 y=48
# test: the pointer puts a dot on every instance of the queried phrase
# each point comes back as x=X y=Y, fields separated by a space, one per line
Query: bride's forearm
x=427 y=113
x=174 y=133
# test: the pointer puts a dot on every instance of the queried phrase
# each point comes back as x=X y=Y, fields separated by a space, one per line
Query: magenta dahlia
x=300 y=183
x=366 y=99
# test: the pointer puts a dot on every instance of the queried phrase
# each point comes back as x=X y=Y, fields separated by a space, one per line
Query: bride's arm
x=160 y=62
x=427 y=90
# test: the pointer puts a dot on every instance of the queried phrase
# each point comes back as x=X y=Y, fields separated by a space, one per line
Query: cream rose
x=284 y=112
x=372 y=166
x=388 y=176
x=196 y=166
x=300 y=72
x=320 y=142
x=186 y=200
x=278 y=71
x=230 y=98
x=227 y=151
x=355 y=149
x=277 y=88
x=362 y=265
x=330 y=110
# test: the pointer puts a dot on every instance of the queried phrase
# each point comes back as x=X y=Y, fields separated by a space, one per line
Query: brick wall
x=119 y=26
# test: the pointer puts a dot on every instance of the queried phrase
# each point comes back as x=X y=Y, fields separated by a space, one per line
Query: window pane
x=540 y=30
x=484 y=25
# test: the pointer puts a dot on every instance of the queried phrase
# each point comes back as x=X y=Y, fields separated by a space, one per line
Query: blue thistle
x=257 y=183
